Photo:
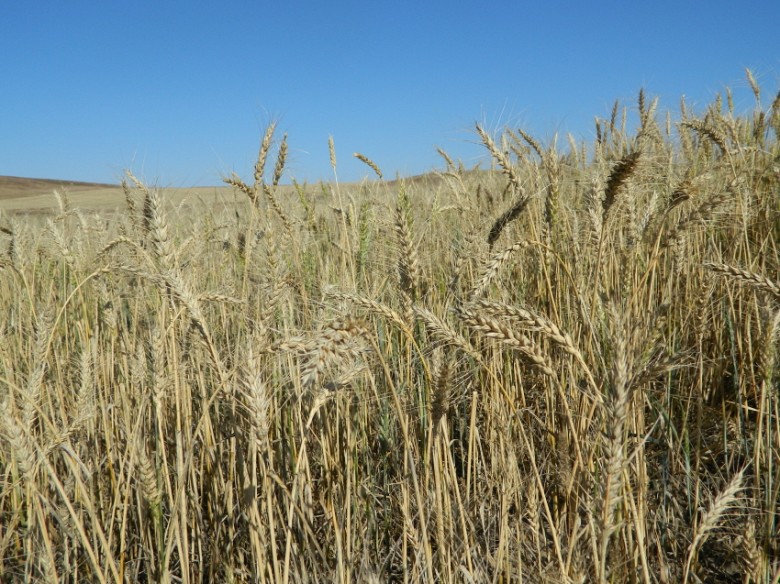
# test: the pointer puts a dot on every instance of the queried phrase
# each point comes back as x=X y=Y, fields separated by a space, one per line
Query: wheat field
x=560 y=368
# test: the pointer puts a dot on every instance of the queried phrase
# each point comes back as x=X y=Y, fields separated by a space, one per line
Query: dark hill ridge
x=12 y=187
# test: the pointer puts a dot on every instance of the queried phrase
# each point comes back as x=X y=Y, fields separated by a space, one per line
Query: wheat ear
x=500 y=157
x=506 y=218
x=617 y=178
x=493 y=266
x=709 y=521
x=616 y=415
x=494 y=329
x=368 y=162
x=262 y=156
x=757 y=281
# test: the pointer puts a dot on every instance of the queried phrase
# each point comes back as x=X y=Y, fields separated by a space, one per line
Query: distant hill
x=13 y=187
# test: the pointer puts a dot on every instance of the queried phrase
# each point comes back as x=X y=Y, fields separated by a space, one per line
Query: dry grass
x=347 y=383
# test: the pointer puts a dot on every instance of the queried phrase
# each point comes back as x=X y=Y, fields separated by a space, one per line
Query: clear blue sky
x=180 y=92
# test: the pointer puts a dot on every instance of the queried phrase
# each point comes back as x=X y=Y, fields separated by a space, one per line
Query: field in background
x=563 y=369
x=24 y=196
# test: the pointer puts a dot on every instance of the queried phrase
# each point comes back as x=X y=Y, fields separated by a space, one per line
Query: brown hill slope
x=12 y=187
